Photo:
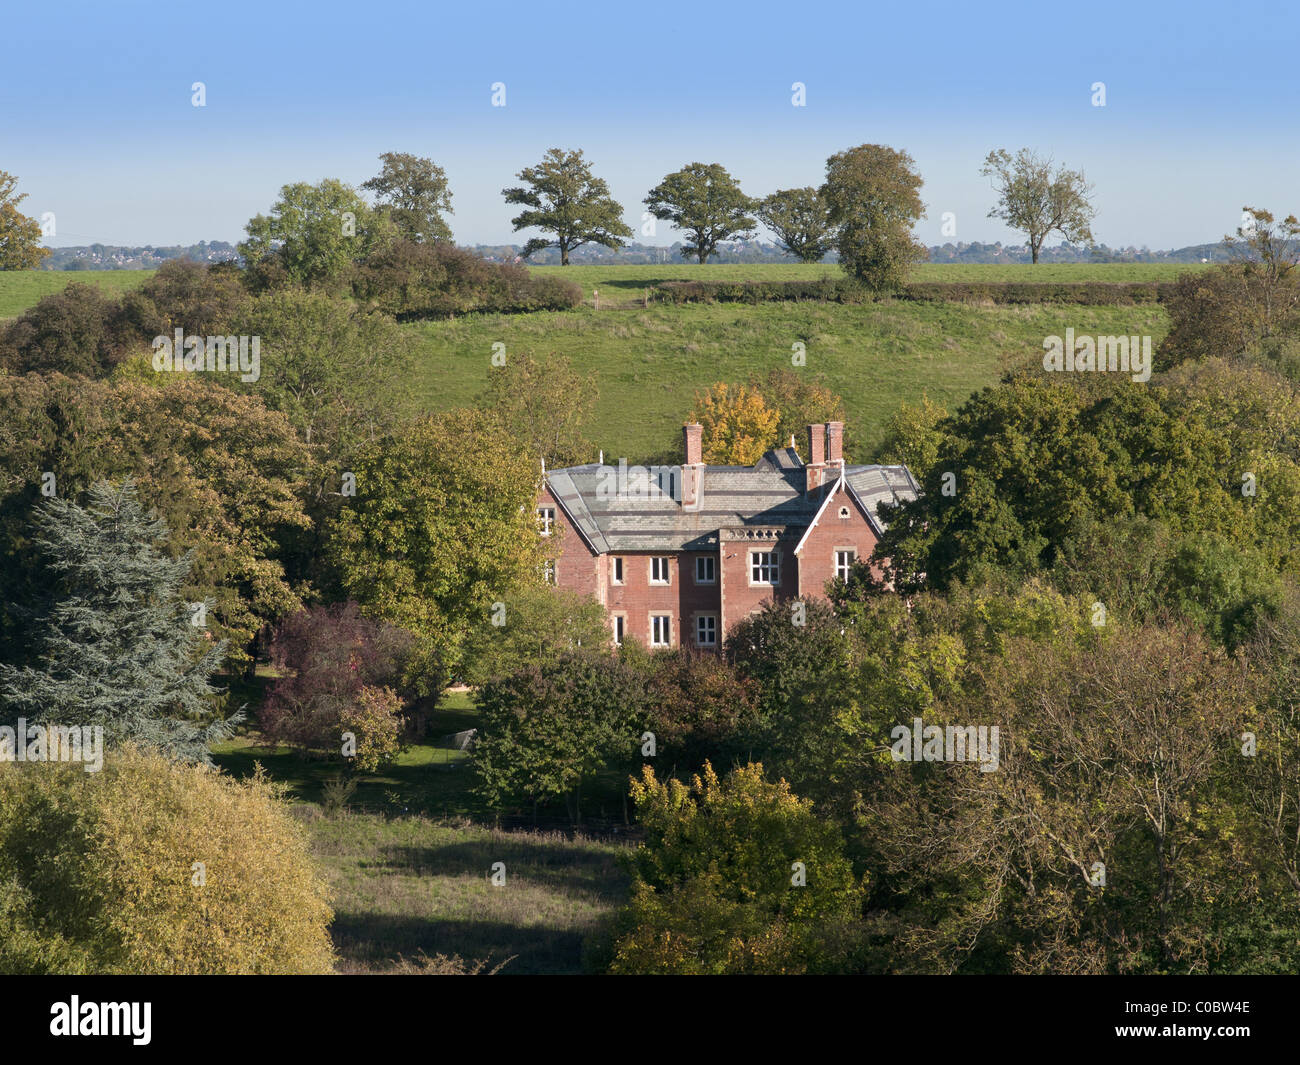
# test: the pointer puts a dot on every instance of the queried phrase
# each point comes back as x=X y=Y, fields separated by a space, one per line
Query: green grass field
x=428 y=778
x=623 y=282
x=646 y=365
x=20 y=289
x=406 y=886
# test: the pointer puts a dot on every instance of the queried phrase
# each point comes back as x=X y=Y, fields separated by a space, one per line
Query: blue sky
x=95 y=115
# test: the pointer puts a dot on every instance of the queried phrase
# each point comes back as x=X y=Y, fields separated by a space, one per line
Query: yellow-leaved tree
x=148 y=866
x=739 y=426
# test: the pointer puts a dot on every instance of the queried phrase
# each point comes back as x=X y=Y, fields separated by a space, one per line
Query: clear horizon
x=96 y=118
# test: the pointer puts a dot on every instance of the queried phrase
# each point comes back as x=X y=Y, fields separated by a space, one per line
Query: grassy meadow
x=408 y=886
x=646 y=365
x=626 y=282
x=408 y=857
x=20 y=289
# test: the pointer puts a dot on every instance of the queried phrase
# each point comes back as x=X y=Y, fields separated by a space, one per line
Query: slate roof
x=627 y=513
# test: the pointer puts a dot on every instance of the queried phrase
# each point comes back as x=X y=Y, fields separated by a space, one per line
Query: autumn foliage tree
x=736 y=875
x=20 y=236
x=338 y=671
x=149 y=867
x=739 y=426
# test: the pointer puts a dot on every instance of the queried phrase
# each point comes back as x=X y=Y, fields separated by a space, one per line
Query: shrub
x=334 y=664
x=1090 y=293
x=846 y=290
x=700 y=708
x=76 y=331
x=201 y=299
x=714 y=888
x=824 y=289
x=375 y=720
x=409 y=280
x=98 y=873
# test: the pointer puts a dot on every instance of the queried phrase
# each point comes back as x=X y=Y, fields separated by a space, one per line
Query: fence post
x=595 y=296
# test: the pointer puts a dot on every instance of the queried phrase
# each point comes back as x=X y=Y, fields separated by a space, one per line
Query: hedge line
x=845 y=290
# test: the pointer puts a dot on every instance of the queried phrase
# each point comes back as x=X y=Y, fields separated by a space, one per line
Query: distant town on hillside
x=148 y=257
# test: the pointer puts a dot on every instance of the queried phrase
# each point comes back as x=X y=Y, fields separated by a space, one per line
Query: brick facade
x=638 y=553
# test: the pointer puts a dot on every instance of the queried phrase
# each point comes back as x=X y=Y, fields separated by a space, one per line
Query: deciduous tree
x=705 y=202
x=1038 y=201
x=562 y=197
x=873 y=198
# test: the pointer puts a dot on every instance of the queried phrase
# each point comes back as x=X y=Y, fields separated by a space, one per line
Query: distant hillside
x=111 y=257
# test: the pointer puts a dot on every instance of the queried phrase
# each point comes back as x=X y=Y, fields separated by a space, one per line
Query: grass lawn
x=20 y=289
x=409 y=885
x=622 y=282
x=409 y=859
x=646 y=365
x=427 y=778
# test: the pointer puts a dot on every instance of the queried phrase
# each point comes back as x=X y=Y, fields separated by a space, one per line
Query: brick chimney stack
x=693 y=435
x=816 y=465
x=835 y=443
x=693 y=467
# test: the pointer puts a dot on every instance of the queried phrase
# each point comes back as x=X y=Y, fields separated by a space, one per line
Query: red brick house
x=678 y=554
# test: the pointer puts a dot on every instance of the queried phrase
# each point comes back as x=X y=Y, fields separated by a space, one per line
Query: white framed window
x=548 y=570
x=659 y=569
x=546 y=520
x=765 y=567
x=616 y=571
x=661 y=630
x=706 y=630
x=620 y=629
x=706 y=570
x=844 y=559
x=844 y=513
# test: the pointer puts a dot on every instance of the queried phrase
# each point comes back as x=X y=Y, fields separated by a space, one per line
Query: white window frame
x=773 y=564
x=546 y=515
x=618 y=623
x=667 y=568
x=616 y=571
x=700 y=619
x=712 y=565
x=844 y=514
x=667 y=620
x=550 y=571
x=852 y=552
